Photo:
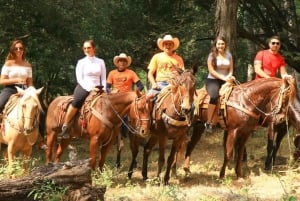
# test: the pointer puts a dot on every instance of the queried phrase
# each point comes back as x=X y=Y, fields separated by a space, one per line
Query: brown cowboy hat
x=122 y=56
x=160 y=42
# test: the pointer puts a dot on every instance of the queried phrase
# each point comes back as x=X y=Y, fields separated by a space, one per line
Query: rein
x=108 y=123
x=278 y=106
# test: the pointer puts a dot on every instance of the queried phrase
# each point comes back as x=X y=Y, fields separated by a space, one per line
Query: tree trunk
x=76 y=176
x=226 y=22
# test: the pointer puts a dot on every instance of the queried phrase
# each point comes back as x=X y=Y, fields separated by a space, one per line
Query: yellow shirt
x=164 y=64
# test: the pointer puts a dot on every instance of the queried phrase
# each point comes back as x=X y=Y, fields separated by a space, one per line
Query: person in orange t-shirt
x=122 y=80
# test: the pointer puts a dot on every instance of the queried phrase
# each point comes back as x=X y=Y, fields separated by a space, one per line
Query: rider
x=220 y=68
x=121 y=80
x=90 y=73
x=268 y=62
x=16 y=71
x=163 y=63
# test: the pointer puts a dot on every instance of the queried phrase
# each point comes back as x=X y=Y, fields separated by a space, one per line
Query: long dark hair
x=214 y=50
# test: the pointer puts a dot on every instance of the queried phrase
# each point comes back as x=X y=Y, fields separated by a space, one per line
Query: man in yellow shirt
x=164 y=63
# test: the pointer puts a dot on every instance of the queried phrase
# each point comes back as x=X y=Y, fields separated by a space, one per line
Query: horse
x=243 y=107
x=171 y=120
x=99 y=120
x=20 y=122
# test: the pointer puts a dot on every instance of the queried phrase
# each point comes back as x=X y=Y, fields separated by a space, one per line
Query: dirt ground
x=283 y=183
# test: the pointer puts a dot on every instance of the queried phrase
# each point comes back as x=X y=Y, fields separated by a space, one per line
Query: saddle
x=84 y=111
x=202 y=100
x=11 y=103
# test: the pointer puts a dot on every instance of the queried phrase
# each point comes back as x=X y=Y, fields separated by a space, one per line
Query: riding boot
x=211 y=110
x=68 y=117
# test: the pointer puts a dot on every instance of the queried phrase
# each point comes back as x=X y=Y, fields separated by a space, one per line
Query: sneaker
x=208 y=128
x=64 y=134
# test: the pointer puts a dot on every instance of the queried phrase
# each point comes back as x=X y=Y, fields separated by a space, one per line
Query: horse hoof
x=43 y=147
x=187 y=171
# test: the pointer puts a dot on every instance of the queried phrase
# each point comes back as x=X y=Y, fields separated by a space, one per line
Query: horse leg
x=50 y=143
x=240 y=155
x=270 y=147
x=103 y=154
x=228 y=144
x=198 y=129
x=94 y=147
x=60 y=149
x=134 y=148
x=10 y=156
x=281 y=132
x=119 y=149
x=171 y=160
x=26 y=156
x=161 y=155
x=147 y=150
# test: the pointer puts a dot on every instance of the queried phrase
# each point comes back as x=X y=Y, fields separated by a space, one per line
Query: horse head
x=139 y=114
x=285 y=98
x=186 y=82
x=29 y=108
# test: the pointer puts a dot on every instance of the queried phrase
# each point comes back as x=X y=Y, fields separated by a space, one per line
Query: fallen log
x=75 y=175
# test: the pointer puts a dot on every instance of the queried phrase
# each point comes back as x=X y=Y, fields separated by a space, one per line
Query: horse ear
x=20 y=91
x=38 y=91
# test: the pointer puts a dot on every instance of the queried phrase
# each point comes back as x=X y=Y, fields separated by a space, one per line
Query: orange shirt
x=122 y=81
x=163 y=65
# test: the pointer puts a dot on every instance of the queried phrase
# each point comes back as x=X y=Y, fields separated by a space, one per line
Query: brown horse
x=19 y=127
x=103 y=119
x=245 y=105
x=171 y=120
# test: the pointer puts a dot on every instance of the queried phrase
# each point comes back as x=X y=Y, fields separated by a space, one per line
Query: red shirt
x=271 y=63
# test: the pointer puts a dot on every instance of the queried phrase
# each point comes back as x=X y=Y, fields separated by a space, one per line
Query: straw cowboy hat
x=122 y=56
x=160 y=42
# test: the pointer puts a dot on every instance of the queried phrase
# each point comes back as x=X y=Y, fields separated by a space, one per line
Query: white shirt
x=17 y=72
x=91 y=72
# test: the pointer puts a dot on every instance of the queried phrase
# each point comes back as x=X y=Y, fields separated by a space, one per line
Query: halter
x=174 y=81
x=18 y=123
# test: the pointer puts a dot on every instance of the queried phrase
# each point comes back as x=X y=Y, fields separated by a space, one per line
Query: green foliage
x=53 y=32
x=47 y=190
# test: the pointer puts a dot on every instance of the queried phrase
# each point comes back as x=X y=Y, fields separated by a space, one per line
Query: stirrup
x=208 y=128
x=64 y=134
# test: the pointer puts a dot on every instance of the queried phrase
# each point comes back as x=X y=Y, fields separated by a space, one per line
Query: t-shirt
x=164 y=64
x=223 y=65
x=122 y=81
x=271 y=63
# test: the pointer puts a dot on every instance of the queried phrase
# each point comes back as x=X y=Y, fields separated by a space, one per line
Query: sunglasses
x=277 y=43
x=18 y=48
x=87 y=48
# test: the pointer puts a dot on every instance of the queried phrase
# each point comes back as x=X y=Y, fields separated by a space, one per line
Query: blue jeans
x=160 y=86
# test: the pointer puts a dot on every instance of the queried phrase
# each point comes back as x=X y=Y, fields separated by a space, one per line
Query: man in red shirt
x=268 y=62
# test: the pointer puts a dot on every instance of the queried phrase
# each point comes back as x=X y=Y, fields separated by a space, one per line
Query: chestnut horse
x=103 y=119
x=171 y=120
x=245 y=105
x=19 y=127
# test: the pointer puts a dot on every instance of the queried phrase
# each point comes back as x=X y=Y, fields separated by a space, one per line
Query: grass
x=282 y=184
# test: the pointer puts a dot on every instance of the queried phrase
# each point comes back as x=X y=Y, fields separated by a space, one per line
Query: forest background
x=54 y=31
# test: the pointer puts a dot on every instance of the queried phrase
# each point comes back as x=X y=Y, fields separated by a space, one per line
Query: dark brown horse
x=244 y=106
x=103 y=117
x=171 y=121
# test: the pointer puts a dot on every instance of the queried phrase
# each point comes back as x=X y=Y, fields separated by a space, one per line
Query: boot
x=69 y=116
x=211 y=110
